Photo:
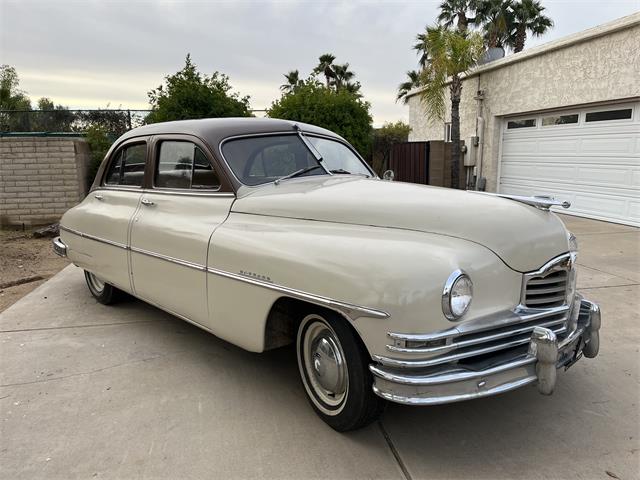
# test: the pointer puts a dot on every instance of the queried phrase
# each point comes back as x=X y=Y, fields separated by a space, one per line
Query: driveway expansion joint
x=394 y=451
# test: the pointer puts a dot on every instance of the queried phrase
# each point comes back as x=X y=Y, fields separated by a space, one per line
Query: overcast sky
x=87 y=54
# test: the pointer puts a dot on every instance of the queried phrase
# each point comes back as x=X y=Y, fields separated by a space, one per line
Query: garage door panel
x=558 y=146
x=543 y=187
x=616 y=177
x=610 y=175
x=515 y=148
x=595 y=165
x=610 y=146
x=619 y=161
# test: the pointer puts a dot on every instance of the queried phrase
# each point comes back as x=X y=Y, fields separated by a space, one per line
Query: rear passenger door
x=104 y=216
x=170 y=233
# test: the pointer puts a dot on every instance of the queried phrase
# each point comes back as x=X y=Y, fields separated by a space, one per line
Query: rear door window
x=127 y=166
x=184 y=165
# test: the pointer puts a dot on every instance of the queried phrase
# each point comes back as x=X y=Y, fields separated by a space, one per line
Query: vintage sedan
x=267 y=232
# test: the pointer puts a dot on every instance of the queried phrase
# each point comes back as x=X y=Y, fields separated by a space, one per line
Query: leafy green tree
x=99 y=139
x=293 y=81
x=12 y=98
x=325 y=67
x=452 y=54
x=190 y=94
x=338 y=111
x=51 y=117
x=384 y=138
x=527 y=17
x=413 y=81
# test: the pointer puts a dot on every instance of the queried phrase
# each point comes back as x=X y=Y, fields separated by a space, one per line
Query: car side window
x=127 y=166
x=184 y=165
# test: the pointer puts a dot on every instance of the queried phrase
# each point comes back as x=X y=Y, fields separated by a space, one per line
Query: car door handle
x=98 y=197
x=146 y=202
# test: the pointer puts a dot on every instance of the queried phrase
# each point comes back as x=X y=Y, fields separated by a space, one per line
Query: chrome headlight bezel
x=448 y=293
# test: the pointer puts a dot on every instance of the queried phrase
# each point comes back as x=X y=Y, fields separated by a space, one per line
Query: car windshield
x=258 y=160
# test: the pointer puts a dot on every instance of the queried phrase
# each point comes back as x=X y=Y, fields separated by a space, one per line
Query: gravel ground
x=25 y=264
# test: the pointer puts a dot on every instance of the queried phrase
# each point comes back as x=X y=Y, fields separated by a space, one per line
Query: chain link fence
x=114 y=121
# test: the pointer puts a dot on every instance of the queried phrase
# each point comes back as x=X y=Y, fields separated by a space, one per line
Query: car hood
x=524 y=237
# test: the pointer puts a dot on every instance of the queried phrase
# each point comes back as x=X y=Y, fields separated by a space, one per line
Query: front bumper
x=538 y=364
x=59 y=247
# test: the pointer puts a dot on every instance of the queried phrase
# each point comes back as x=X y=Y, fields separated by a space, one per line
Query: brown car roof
x=214 y=130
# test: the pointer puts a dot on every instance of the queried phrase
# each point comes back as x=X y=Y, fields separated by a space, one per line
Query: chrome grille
x=468 y=344
x=547 y=290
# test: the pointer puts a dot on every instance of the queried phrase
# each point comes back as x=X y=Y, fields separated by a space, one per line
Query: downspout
x=480 y=181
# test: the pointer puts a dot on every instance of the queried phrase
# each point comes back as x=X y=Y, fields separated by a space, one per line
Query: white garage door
x=590 y=157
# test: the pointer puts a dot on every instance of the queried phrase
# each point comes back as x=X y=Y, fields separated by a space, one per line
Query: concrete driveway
x=123 y=392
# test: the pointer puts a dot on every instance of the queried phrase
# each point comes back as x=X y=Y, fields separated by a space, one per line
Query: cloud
x=88 y=54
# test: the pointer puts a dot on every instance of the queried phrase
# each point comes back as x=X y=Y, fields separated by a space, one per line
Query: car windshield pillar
x=314 y=151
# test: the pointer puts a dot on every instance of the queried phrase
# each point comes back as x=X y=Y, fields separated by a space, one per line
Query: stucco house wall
x=601 y=64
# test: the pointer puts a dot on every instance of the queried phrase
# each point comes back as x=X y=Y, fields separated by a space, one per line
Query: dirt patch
x=25 y=264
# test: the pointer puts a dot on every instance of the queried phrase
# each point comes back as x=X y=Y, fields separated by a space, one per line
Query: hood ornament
x=542 y=202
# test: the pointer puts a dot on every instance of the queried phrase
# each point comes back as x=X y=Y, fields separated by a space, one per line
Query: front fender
x=400 y=272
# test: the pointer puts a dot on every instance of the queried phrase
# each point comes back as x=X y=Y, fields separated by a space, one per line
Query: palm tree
x=343 y=76
x=413 y=81
x=527 y=16
x=457 y=11
x=325 y=67
x=495 y=16
x=451 y=54
x=293 y=81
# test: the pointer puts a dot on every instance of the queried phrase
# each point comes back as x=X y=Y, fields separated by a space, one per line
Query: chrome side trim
x=177 y=261
x=94 y=238
x=350 y=310
x=541 y=202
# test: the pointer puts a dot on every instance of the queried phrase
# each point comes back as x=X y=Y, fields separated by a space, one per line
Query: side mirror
x=388 y=175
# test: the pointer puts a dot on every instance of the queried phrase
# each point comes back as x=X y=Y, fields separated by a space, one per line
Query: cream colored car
x=266 y=232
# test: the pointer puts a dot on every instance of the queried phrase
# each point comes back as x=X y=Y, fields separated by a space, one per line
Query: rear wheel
x=102 y=291
x=333 y=366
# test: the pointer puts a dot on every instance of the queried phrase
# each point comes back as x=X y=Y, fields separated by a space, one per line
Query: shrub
x=339 y=111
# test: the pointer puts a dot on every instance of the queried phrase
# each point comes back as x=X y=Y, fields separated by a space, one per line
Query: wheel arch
x=285 y=315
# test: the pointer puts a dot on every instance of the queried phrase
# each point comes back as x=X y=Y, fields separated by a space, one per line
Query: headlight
x=457 y=295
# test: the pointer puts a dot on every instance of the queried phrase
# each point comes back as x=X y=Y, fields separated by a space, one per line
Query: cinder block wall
x=40 y=178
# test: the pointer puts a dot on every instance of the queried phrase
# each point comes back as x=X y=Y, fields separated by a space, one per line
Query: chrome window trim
x=156 y=162
x=193 y=193
x=292 y=132
x=350 y=310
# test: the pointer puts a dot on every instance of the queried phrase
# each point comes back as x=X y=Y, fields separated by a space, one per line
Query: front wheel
x=102 y=291
x=333 y=366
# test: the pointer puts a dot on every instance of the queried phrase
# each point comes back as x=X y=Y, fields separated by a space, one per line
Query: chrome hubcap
x=95 y=283
x=324 y=363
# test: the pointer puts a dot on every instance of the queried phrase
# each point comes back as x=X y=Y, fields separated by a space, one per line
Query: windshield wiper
x=297 y=173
